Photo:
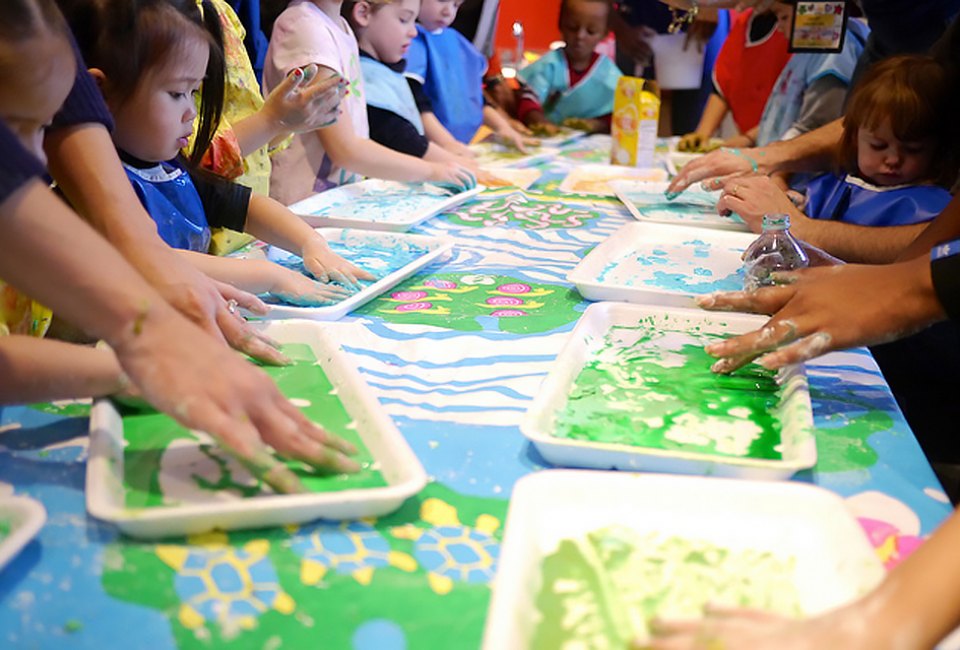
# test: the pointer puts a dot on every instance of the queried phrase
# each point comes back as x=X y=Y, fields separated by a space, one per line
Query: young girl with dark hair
x=149 y=58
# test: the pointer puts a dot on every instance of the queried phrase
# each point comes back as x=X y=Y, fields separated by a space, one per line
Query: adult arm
x=751 y=197
x=828 y=308
x=915 y=606
x=85 y=164
x=813 y=151
x=179 y=369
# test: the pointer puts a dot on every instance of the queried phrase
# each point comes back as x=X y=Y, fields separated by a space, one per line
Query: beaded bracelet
x=678 y=20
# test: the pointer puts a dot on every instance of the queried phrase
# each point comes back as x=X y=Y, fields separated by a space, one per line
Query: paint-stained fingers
x=292 y=435
x=241 y=336
x=767 y=300
x=809 y=347
x=739 y=350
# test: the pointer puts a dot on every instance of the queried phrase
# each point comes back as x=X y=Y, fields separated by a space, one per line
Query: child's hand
x=544 y=129
x=508 y=135
x=452 y=176
x=297 y=289
x=590 y=125
x=460 y=149
x=307 y=99
x=327 y=266
x=692 y=142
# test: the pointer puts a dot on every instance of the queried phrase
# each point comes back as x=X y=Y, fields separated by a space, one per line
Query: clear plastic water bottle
x=774 y=250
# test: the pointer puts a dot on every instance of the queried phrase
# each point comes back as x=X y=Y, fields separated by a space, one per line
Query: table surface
x=455 y=376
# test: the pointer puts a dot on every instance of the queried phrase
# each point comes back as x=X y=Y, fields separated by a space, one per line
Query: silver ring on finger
x=232 y=306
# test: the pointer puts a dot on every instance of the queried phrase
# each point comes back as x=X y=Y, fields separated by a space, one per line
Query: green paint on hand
x=602 y=591
x=149 y=436
x=650 y=387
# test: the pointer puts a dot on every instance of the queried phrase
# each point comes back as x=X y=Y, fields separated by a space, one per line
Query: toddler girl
x=149 y=58
x=313 y=32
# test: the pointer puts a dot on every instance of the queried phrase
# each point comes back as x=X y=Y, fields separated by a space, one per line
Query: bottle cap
x=776 y=221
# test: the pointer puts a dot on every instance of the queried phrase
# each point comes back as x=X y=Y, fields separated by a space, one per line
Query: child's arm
x=307 y=98
x=40 y=370
x=499 y=124
x=437 y=133
x=262 y=276
x=366 y=157
x=270 y=221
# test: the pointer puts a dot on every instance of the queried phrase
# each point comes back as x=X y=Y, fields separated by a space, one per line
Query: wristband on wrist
x=945 y=273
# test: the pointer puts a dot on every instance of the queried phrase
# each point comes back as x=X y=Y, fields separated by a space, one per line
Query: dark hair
x=125 y=38
x=915 y=94
x=609 y=3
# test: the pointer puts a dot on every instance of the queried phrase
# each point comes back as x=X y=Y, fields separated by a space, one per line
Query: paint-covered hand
x=327 y=266
x=308 y=98
x=182 y=372
x=739 y=629
x=752 y=196
x=297 y=289
x=714 y=167
x=452 y=176
x=818 y=310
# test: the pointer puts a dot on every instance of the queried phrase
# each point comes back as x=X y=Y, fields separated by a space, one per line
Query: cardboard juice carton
x=636 y=112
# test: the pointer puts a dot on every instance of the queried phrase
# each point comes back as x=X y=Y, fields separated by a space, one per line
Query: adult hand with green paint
x=819 y=310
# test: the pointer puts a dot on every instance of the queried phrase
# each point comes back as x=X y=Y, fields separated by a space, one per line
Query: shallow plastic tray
x=647 y=202
x=417 y=203
x=361 y=239
x=592 y=178
x=661 y=264
x=798 y=445
x=25 y=517
x=494 y=154
x=834 y=562
x=399 y=466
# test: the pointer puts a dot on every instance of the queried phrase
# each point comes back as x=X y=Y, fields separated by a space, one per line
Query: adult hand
x=205 y=386
x=714 y=167
x=827 y=308
x=753 y=196
x=327 y=266
x=308 y=98
x=739 y=629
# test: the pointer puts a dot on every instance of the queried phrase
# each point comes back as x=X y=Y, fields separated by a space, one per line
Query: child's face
x=390 y=30
x=30 y=98
x=437 y=14
x=583 y=24
x=155 y=122
x=886 y=161
x=784 y=14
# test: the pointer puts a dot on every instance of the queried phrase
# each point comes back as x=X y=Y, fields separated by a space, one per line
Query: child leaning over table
x=451 y=71
x=574 y=83
x=397 y=115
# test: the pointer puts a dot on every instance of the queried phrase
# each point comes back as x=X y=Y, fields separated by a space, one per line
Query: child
x=384 y=30
x=574 y=83
x=149 y=58
x=811 y=88
x=893 y=155
x=451 y=71
x=313 y=32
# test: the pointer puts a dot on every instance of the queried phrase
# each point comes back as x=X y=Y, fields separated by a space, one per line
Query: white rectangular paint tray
x=798 y=445
x=661 y=264
x=378 y=205
x=195 y=510
x=364 y=242
x=833 y=560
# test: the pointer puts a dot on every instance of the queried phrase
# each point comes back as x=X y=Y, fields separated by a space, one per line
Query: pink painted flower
x=514 y=287
x=406 y=296
x=503 y=301
x=415 y=306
